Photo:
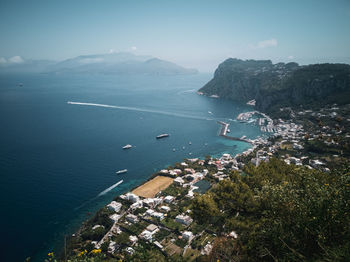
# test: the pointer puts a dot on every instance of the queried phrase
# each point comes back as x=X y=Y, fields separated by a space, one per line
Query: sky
x=198 y=34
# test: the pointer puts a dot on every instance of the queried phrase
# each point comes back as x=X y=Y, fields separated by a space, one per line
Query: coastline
x=137 y=212
x=139 y=184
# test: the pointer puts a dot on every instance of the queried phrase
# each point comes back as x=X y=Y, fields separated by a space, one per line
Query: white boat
x=174 y=149
x=162 y=136
x=190 y=143
x=127 y=146
x=209 y=112
x=228 y=130
x=121 y=171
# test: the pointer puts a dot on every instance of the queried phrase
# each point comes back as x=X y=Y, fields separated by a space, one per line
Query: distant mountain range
x=279 y=85
x=113 y=63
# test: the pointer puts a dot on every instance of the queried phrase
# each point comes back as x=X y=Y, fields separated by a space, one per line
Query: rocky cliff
x=276 y=85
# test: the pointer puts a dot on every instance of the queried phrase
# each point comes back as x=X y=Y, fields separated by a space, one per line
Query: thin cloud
x=267 y=43
x=290 y=57
x=133 y=48
x=16 y=60
x=264 y=44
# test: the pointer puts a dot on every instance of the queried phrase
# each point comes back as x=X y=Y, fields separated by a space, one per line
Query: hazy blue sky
x=191 y=33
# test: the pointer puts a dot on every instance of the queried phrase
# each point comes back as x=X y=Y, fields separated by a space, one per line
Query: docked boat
x=127 y=146
x=162 y=136
x=121 y=171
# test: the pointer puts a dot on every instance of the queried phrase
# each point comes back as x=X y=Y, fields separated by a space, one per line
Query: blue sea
x=56 y=158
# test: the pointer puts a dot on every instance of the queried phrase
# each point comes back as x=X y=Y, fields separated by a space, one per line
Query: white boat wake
x=186 y=91
x=100 y=194
x=110 y=188
x=139 y=110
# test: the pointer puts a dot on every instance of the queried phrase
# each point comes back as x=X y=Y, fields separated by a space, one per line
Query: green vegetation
x=280 y=212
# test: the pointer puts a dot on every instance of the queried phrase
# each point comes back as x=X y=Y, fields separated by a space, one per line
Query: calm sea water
x=55 y=158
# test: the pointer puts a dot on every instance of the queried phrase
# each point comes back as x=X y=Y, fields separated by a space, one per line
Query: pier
x=223 y=133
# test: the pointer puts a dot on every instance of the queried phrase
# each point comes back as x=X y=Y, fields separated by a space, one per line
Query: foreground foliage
x=280 y=212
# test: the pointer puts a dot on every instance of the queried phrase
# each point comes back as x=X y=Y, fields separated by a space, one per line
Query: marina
x=223 y=133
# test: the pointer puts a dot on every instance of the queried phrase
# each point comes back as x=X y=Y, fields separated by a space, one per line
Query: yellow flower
x=96 y=251
x=326 y=184
x=50 y=254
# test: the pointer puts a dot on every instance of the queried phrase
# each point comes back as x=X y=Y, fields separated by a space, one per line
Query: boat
x=174 y=149
x=121 y=171
x=228 y=130
x=243 y=137
x=127 y=146
x=162 y=136
x=209 y=112
x=190 y=143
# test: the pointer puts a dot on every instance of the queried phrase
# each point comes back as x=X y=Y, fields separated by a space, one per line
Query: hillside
x=119 y=63
x=122 y=63
x=276 y=85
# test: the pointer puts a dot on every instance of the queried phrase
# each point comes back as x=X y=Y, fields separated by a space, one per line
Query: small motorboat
x=121 y=171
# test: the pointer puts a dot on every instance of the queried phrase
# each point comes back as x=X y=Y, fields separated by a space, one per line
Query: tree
x=204 y=208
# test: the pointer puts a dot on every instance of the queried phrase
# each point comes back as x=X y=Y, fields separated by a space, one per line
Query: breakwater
x=223 y=133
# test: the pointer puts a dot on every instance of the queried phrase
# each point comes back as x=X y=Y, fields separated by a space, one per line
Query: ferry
x=127 y=146
x=162 y=136
x=121 y=171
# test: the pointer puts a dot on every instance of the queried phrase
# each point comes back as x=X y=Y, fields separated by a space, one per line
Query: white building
x=179 y=181
x=133 y=239
x=185 y=220
x=114 y=206
x=158 y=215
x=187 y=235
x=169 y=199
x=115 y=217
x=146 y=235
x=149 y=212
x=152 y=228
x=165 y=208
x=132 y=197
x=130 y=250
x=131 y=218
x=136 y=205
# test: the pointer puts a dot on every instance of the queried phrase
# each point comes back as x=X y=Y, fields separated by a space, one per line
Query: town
x=157 y=215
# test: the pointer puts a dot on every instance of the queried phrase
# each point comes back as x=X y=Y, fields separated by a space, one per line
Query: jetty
x=223 y=133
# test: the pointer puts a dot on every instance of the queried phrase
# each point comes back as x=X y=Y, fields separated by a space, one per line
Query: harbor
x=223 y=133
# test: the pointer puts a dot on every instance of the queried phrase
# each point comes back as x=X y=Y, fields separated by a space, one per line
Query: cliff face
x=276 y=85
